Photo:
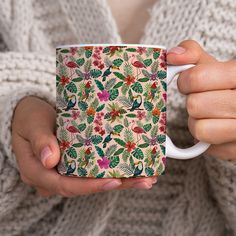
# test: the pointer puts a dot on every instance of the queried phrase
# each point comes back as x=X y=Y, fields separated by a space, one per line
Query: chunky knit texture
x=195 y=197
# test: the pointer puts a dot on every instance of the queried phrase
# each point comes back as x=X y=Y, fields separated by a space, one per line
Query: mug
x=111 y=111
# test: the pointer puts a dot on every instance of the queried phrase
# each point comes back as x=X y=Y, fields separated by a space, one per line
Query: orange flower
x=90 y=111
x=88 y=48
x=129 y=79
x=156 y=112
x=130 y=146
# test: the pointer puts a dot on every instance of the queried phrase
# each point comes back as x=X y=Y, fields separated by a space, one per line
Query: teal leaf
x=118 y=128
x=90 y=119
x=131 y=49
x=161 y=138
x=95 y=73
x=114 y=93
x=163 y=149
x=149 y=171
x=66 y=115
x=155 y=119
x=143 y=145
x=147 y=62
x=145 y=79
x=147 y=127
x=81 y=127
x=156 y=55
x=77 y=145
x=119 y=84
x=81 y=171
x=80 y=61
x=131 y=115
x=100 y=108
x=88 y=53
x=161 y=74
x=99 y=84
x=137 y=87
x=148 y=105
x=106 y=50
x=78 y=79
x=65 y=51
x=138 y=153
x=100 y=175
x=72 y=152
x=117 y=62
x=99 y=151
x=114 y=161
x=82 y=105
x=120 y=142
x=163 y=83
x=96 y=139
x=119 y=151
x=71 y=87
x=119 y=75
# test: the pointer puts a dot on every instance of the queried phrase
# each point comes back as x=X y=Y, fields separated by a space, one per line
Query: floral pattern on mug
x=111 y=111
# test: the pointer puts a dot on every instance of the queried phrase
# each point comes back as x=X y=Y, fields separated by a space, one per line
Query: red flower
x=64 y=80
x=64 y=145
x=129 y=80
x=130 y=146
x=141 y=50
x=75 y=114
x=102 y=132
x=141 y=115
x=73 y=50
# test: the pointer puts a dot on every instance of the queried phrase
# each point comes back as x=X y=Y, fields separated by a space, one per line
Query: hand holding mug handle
x=171 y=150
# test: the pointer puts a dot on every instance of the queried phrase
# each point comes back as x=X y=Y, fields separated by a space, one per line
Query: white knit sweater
x=195 y=197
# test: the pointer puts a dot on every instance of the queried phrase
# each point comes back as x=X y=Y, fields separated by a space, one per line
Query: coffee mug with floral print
x=111 y=110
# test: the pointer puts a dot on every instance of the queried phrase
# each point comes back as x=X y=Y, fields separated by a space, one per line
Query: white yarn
x=195 y=197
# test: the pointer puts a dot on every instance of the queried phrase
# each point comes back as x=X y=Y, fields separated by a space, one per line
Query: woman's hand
x=37 y=152
x=211 y=97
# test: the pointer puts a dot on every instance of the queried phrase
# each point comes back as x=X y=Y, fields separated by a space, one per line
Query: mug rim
x=111 y=44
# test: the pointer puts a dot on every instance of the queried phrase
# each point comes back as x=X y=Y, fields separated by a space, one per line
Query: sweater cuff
x=10 y=103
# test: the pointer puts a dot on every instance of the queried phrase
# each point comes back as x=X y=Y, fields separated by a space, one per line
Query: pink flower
x=104 y=163
x=104 y=95
x=141 y=50
x=141 y=115
x=164 y=96
x=75 y=114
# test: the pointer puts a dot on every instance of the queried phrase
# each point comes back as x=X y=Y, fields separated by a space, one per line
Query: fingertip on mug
x=142 y=185
x=113 y=184
x=177 y=50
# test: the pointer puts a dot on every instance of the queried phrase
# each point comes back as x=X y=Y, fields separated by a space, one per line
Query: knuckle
x=192 y=105
x=25 y=180
x=64 y=192
x=200 y=130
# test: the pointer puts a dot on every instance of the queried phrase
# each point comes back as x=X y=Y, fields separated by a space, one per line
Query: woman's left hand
x=211 y=97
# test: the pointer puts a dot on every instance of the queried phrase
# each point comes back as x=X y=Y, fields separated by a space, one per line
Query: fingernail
x=177 y=50
x=111 y=185
x=154 y=180
x=142 y=185
x=45 y=154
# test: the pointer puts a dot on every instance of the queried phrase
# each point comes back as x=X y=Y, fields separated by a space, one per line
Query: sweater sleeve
x=22 y=75
x=222 y=179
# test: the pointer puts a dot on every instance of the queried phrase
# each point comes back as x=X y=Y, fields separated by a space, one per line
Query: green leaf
x=71 y=87
x=80 y=61
x=77 y=145
x=154 y=131
x=107 y=115
x=131 y=49
x=99 y=108
x=128 y=136
x=163 y=109
x=161 y=74
x=100 y=175
x=138 y=153
x=109 y=84
x=163 y=149
x=125 y=56
x=125 y=155
x=118 y=128
x=89 y=131
x=65 y=51
x=58 y=78
x=110 y=150
x=161 y=138
x=81 y=127
x=124 y=89
x=137 y=87
x=119 y=151
x=106 y=50
x=145 y=138
x=114 y=93
x=131 y=115
x=96 y=139
x=164 y=85
x=99 y=151
x=78 y=79
x=120 y=142
x=126 y=122
x=88 y=53
x=143 y=145
x=82 y=105
x=156 y=55
x=90 y=119
x=128 y=69
x=147 y=127
x=95 y=73
x=72 y=152
x=117 y=62
x=81 y=171
x=145 y=79
x=119 y=75
x=149 y=171
x=131 y=161
x=148 y=105
x=99 y=84
x=119 y=84
x=66 y=115
x=94 y=104
x=154 y=67
x=114 y=161
x=155 y=119
x=94 y=171
x=147 y=62
x=87 y=65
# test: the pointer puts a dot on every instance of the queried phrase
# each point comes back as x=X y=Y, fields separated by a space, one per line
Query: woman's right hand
x=37 y=153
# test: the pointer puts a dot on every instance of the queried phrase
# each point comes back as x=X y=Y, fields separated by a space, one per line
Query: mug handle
x=171 y=150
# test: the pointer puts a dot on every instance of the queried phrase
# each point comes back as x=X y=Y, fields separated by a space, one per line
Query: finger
x=188 y=52
x=206 y=77
x=214 y=131
x=38 y=127
x=44 y=193
x=226 y=151
x=213 y=104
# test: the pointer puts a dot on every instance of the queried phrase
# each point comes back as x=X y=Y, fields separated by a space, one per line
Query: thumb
x=188 y=52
